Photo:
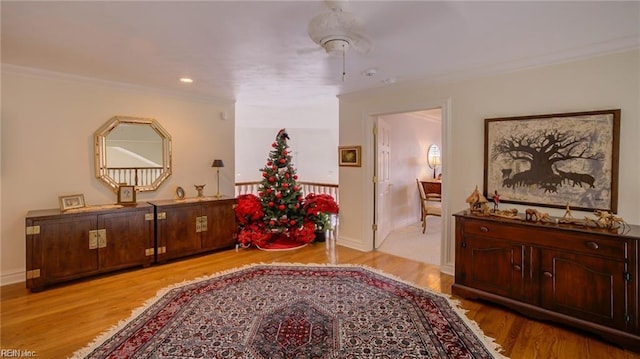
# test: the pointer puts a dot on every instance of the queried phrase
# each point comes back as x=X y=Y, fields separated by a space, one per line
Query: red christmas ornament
x=279 y=195
x=272 y=179
x=282 y=207
x=269 y=163
x=271 y=204
x=264 y=174
x=274 y=167
x=285 y=185
x=287 y=175
x=282 y=160
x=284 y=153
x=292 y=222
x=272 y=222
x=273 y=144
x=296 y=188
x=300 y=198
x=295 y=177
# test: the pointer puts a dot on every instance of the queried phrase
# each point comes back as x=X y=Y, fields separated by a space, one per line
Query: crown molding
x=49 y=74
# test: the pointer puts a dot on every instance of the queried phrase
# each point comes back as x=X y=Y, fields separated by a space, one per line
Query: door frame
x=448 y=242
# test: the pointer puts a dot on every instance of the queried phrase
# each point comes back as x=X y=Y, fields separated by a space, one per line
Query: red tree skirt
x=281 y=243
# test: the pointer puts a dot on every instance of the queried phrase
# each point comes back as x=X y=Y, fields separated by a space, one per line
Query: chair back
x=423 y=196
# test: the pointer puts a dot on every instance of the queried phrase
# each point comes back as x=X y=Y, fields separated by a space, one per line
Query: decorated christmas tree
x=279 y=192
x=280 y=215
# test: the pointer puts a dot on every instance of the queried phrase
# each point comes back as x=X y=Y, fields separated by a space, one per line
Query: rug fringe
x=455 y=304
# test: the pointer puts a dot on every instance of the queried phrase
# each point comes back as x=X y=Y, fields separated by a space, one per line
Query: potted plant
x=318 y=209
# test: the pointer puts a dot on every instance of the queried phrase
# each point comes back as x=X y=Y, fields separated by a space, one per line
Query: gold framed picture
x=126 y=194
x=349 y=156
x=71 y=202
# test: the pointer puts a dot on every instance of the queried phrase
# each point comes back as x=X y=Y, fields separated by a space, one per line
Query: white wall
x=605 y=82
x=48 y=121
x=313 y=133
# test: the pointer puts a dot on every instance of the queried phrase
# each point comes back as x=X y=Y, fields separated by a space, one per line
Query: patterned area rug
x=296 y=311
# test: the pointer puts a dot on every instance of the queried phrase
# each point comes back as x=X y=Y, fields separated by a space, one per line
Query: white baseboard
x=11 y=278
x=405 y=223
x=353 y=244
x=447 y=269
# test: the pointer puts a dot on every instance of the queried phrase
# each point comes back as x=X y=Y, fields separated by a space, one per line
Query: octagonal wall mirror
x=132 y=151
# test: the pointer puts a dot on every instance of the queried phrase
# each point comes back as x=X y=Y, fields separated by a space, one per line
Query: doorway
x=401 y=144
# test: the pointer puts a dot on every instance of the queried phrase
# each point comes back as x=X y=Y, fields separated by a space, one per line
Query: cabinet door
x=128 y=238
x=63 y=249
x=584 y=286
x=221 y=225
x=178 y=232
x=492 y=265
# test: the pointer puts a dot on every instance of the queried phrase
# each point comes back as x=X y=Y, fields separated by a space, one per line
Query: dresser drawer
x=581 y=242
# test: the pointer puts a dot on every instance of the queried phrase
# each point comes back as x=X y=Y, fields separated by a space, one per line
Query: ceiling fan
x=338 y=31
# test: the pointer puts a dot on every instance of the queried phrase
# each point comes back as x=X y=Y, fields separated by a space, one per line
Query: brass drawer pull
x=516 y=267
x=548 y=274
x=593 y=245
x=484 y=229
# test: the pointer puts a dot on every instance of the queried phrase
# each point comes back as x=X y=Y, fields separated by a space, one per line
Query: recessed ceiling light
x=186 y=80
x=369 y=72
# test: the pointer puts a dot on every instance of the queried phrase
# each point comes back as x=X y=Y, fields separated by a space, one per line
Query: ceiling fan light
x=336 y=46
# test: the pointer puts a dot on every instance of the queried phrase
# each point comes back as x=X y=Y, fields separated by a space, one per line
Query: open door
x=382 y=186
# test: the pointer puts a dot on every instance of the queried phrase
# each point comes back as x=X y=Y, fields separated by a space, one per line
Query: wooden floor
x=58 y=321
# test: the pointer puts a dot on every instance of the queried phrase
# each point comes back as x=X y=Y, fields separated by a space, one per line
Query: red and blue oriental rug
x=296 y=311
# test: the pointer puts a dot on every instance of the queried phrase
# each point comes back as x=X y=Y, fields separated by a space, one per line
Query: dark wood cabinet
x=186 y=227
x=66 y=246
x=578 y=276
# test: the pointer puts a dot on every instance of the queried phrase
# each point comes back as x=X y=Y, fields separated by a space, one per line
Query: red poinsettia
x=318 y=207
x=249 y=209
x=304 y=233
x=253 y=233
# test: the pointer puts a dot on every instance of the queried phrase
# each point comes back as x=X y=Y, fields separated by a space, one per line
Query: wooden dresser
x=195 y=225
x=81 y=243
x=582 y=277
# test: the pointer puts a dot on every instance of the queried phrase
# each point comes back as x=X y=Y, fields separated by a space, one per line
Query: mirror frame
x=100 y=149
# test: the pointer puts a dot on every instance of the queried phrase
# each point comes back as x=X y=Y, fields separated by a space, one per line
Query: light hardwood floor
x=58 y=321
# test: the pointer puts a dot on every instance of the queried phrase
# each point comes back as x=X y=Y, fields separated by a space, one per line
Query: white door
x=383 y=188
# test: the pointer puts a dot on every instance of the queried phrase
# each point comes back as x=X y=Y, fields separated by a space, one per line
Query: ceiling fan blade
x=309 y=50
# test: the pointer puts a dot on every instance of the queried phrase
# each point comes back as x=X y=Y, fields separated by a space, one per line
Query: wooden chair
x=426 y=209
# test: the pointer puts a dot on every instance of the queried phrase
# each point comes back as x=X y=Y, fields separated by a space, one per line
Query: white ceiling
x=259 y=52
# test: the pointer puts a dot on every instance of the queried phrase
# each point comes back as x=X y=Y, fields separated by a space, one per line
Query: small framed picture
x=349 y=156
x=180 y=192
x=126 y=194
x=71 y=202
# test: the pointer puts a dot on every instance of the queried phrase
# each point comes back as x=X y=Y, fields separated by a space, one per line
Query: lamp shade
x=217 y=163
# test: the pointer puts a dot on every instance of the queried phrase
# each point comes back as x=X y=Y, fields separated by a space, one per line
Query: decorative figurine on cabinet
x=496 y=200
x=200 y=188
x=535 y=215
x=477 y=203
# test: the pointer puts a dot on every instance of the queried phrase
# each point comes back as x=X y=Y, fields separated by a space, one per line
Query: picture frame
x=72 y=201
x=126 y=194
x=350 y=156
x=180 y=192
x=554 y=160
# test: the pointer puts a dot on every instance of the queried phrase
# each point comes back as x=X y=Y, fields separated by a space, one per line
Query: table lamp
x=218 y=164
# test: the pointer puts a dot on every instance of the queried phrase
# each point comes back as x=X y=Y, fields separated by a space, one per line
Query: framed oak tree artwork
x=554 y=160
